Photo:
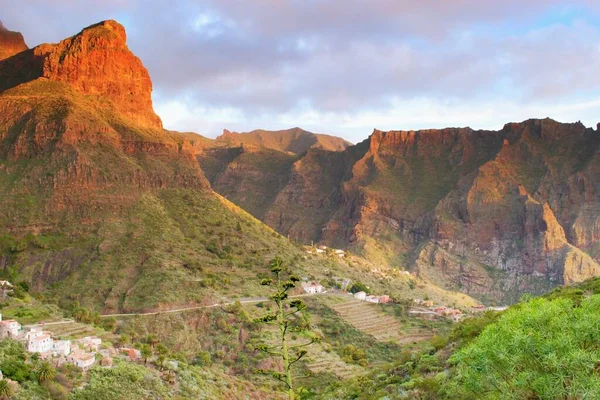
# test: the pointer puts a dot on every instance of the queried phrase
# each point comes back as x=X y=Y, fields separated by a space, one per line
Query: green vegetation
x=544 y=349
x=289 y=317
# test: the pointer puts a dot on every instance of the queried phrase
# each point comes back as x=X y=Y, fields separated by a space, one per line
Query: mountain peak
x=11 y=42
x=96 y=61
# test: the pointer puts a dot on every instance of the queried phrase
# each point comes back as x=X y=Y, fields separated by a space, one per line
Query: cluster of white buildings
x=370 y=298
x=323 y=250
x=81 y=352
x=430 y=310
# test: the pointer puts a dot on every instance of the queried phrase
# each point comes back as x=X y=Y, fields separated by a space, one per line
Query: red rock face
x=96 y=61
x=11 y=43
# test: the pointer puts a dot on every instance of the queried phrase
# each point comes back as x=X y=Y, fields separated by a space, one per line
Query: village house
x=41 y=343
x=61 y=347
x=312 y=287
x=384 y=299
x=90 y=343
x=378 y=299
x=502 y=308
x=82 y=360
x=340 y=253
x=33 y=331
x=360 y=295
x=9 y=329
x=132 y=353
x=446 y=311
x=372 y=299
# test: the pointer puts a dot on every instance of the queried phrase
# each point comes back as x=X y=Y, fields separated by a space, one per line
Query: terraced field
x=323 y=362
x=73 y=330
x=367 y=318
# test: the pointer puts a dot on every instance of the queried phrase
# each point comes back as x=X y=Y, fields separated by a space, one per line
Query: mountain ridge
x=295 y=140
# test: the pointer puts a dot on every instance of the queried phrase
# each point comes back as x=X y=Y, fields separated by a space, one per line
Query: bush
x=358 y=287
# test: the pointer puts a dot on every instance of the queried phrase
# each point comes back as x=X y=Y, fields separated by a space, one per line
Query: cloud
x=338 y=66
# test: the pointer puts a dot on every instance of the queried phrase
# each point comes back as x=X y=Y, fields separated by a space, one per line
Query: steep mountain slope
x=294 y=140
x=492 y=213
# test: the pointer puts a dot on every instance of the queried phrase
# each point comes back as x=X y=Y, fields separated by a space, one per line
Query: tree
x=358 y=287
x=45 y=372
x=289 y=316
x=152 y=340
x=146 y=352
x=203 y=359
x=6 y=390
x=109 y=324
x=162 y=353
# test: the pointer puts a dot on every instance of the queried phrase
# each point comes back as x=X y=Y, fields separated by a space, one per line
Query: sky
x=345 y=67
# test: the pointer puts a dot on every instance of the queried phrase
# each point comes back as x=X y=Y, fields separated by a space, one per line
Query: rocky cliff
x=11 y=42
x=96 y=62
x=492 y=213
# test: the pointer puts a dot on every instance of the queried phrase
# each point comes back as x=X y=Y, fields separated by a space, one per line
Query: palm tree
x=146 y=352
x=152 y=340
x=45 y=372
x=6 y=390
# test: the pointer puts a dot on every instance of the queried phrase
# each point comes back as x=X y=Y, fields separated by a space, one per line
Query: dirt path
x=242 y=301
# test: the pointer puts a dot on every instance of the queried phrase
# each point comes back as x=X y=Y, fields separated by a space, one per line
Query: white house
x=82 y=360
x=360 y=295
x=372 y=299
x=312 y=287
x=91 y=343
x=62 y=347
x=340 y=253
x=9 y=328
x=40 y=343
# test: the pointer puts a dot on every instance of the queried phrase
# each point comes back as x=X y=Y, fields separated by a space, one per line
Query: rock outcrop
x=11 y=42
x=97 y=62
